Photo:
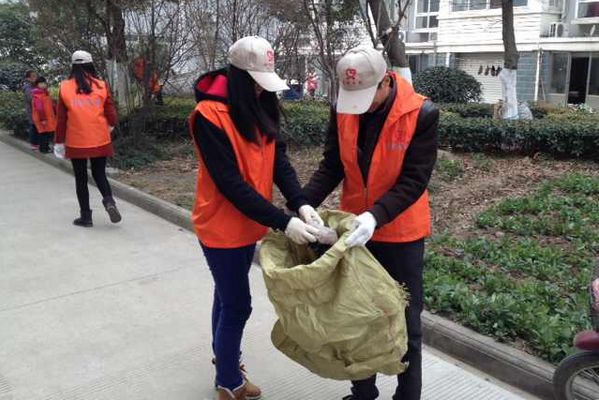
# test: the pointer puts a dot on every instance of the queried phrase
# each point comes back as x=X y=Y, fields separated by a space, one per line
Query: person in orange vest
x=236 y=130
x=86 y=117
x=43 y=114
x=382 y=143
x=154 y=86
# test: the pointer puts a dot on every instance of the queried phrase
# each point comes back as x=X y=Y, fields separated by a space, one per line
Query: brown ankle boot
x=226 y=394
x=253 y=392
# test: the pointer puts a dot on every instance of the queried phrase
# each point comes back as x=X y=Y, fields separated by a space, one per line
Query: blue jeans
x=405 y=263
x=231 y=309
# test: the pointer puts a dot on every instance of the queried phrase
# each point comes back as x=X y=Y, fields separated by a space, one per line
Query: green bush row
x=559 y=136
x=484 y=110
x=12 y=113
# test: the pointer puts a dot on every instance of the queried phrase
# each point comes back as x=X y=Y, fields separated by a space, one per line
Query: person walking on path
x=86 y=118
x=236 y=127
x=28 y=86
x=382 y=143
x=43 y=114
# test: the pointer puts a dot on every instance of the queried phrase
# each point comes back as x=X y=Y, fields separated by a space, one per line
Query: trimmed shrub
x=12 y=113
x=571 y=137
x=447 y=85
x=306 y=122
x=468 y=110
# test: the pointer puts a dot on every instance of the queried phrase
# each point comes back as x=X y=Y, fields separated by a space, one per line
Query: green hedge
x=570 y=136
x=12 y=113
x=484 y=110
x=306 y=122
x=465 y=127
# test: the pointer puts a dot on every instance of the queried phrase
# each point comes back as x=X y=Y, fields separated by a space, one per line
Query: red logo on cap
x=351 y=77
x=270 y=58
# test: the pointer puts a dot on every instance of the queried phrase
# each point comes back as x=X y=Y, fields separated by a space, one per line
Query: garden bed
x=513 y=247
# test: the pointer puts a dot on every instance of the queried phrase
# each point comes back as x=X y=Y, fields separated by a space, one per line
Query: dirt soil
x=480 y=181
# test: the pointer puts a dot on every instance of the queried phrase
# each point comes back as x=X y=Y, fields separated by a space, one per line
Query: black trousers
x=404 y=262
x=98 y=173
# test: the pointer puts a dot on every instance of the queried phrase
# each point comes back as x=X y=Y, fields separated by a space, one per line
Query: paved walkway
x=121 y=312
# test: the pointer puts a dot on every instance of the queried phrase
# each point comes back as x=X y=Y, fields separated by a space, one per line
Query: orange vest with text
x=386 y=166
x=218 y=223
x=87 y=126
x=50 y=125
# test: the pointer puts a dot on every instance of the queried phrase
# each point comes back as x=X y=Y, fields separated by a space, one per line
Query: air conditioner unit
x=558 y=29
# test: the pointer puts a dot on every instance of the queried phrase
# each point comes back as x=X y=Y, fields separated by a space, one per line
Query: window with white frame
x=427 y=13
x=587 y=9
x=470 y=5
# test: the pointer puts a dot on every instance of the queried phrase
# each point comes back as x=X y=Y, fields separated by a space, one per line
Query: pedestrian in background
x=86 y=118
x=43 y=114
x=28 y=85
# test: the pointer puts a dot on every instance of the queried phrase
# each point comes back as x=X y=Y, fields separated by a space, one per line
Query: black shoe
x=113 y=212
x=350 y=397
x=85 y=220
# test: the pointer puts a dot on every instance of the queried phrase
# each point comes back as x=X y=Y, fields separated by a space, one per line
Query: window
x=517 y=3
x=594 y=78
x=559 y=73
x=427 y=12
x=556 y=4
x=469 y=5
x=587 y=9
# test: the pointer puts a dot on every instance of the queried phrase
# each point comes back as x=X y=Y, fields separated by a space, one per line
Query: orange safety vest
x=218 y=223
x=50 y=125
x=386 y=166
x=87 y=126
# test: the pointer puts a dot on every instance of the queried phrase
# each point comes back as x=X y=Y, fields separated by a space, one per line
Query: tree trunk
x=115 y=32
x=509 y=74
x=389 y=35
x=116 y=62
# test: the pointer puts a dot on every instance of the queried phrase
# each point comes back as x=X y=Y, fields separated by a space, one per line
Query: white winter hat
x=256 y=56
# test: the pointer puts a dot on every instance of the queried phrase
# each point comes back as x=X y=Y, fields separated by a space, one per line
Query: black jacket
x=418 y=164
x=218 y=156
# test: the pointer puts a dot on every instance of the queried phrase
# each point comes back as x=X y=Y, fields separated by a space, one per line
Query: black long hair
x=251 y=113
x=85 y=75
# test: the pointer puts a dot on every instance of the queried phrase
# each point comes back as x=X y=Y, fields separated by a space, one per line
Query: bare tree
x=388 y=34
x=335 y=30
x=161 y=42
x=508 y=75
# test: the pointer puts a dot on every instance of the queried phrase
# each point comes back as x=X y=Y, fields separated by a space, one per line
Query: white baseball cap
x=81 y=57
x=360 y=71
x=256 y=56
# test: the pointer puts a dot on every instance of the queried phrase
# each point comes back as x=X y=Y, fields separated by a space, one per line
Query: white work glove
x=300 y=232
x=59 y=150
x=309 y=215
x=363 y=229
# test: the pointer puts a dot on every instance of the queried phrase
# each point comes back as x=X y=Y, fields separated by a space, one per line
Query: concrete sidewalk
x=122 y=311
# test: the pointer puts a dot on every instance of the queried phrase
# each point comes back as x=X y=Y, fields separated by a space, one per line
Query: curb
x=505 y=363
x=509 y=365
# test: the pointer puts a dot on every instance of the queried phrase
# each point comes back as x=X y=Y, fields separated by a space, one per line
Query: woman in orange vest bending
x=86 y=117
x=235 y=127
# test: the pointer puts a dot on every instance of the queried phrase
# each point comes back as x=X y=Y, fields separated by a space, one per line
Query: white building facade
x=558 y=42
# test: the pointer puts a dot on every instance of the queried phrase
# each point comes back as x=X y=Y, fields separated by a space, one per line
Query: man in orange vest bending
x=382 y=143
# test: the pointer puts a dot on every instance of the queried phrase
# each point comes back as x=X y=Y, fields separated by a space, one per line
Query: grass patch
x=449 y=169
x=522 y=273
